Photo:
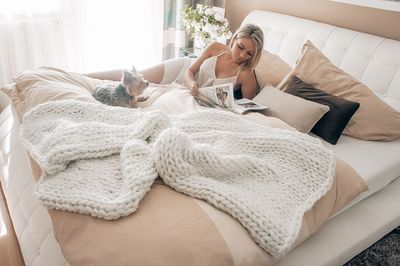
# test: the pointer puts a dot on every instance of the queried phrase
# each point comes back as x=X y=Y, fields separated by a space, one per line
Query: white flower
x=209 y=12
x=218 y=16
x=228 y=35
x=198 y=20
x=209 y=28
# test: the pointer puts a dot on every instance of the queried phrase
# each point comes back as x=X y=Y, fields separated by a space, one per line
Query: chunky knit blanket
x=101 y=160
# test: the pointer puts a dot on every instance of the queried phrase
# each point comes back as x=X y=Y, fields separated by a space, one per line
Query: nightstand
x=187 y=52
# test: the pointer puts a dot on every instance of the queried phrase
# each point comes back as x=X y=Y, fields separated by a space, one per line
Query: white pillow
x=295 y=111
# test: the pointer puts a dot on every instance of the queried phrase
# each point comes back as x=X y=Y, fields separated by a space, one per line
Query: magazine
x=245 y=105
x=221 y=96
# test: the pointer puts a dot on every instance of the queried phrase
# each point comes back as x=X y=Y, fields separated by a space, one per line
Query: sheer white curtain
x=120 y=33
x=79 y=35
x=30 y=36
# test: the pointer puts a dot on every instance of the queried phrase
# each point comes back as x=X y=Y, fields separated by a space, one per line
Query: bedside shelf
x=187 y=52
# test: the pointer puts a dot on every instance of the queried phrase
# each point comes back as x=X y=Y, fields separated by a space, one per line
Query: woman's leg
x=115 y=74
x=164 y=73
x=153 y=74
x=174 y=70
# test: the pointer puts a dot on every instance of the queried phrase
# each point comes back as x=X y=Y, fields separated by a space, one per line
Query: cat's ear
x=134 y=70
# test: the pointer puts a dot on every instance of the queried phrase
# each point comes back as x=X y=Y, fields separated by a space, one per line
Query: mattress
x=344 y=236
x=377 y=162
x=31 y=221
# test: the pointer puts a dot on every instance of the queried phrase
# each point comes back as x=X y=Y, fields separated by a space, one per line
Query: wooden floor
x=10 y=254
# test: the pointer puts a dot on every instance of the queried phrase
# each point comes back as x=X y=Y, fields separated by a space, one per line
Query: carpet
x=385 y=252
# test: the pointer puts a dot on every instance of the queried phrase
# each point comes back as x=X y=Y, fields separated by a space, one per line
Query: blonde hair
x=254 y=33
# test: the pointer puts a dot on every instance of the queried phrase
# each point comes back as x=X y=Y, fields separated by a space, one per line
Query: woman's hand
x=214 y=48
x=194 y=88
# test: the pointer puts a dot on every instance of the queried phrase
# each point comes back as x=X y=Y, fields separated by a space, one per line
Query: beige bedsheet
x=170 y=228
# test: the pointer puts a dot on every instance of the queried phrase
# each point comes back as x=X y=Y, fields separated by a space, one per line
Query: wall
x=370 y=20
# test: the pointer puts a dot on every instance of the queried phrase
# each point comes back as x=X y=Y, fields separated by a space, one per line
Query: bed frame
x=373 y=60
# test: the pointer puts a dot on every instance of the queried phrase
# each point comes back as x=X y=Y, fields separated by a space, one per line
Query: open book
x=221 y=96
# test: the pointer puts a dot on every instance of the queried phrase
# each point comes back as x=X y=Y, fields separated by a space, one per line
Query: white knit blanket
x=101 y=160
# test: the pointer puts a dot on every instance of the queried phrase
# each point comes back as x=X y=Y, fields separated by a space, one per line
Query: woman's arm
x=211 y=50
x=248 y=83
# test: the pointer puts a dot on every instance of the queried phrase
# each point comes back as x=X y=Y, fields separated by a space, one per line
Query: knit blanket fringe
x=101 y=160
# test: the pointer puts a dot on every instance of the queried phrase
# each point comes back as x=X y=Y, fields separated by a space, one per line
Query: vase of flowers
x=205 y=25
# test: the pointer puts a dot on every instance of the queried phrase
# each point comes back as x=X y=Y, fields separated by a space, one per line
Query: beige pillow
x=374 y=120
x=51 y=84
x=295 y=111
x=271 y=69
x=16 y=98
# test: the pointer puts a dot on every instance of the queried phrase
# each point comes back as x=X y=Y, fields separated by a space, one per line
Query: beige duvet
x=169 y=228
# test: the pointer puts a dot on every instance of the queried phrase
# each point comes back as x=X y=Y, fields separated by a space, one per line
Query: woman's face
x=242 y=50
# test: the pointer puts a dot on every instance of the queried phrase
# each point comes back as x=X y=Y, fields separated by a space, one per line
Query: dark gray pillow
x=331 y=124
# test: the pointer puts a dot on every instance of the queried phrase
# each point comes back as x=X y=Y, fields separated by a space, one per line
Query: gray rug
x=385 y=252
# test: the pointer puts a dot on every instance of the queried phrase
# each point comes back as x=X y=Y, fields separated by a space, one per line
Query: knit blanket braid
x=101 y=160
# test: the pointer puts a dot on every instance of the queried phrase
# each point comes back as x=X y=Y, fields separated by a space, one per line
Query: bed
x=194 y=232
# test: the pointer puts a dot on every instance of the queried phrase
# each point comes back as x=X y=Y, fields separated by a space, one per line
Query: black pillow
x=331 y=124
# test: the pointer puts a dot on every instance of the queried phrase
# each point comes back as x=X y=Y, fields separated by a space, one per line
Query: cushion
x=51 y=84
x=271 y=69
x=295 y=111
x=16 y=98
x=374 y=120
x=331 y=125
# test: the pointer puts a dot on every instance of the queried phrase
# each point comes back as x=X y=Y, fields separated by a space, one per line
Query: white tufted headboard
x=373 y=60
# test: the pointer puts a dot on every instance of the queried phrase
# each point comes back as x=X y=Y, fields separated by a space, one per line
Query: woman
x=235 y=63
x=217 y=64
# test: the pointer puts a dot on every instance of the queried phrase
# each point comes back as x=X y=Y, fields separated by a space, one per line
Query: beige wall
x=370 y=20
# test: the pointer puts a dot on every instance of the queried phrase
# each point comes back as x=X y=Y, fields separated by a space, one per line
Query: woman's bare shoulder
x=215 y=48
x=246 y=73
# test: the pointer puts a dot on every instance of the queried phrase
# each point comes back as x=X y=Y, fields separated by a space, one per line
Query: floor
x=385 y=252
